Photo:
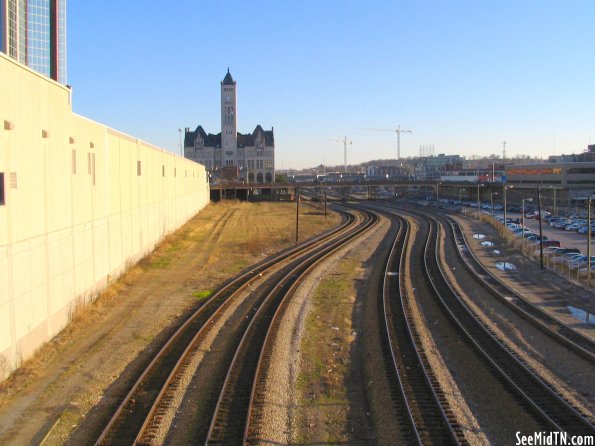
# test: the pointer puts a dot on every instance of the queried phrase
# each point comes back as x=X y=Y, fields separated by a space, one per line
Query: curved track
x=555 y=411
x=144 y=396
x=140 y=416
x=429 y=418
x=236 y=414
x=560 y=332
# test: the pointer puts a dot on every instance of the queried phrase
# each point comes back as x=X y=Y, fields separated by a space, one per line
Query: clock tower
x=229 y=134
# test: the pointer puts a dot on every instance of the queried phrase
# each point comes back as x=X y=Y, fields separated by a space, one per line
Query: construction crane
x=345 y=141
x=398 y=131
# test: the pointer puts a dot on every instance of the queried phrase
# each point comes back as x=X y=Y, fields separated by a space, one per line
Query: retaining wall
x=78 y=203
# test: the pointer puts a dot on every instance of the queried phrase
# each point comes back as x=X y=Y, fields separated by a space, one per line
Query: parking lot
x=573 y=263
x=568 y=239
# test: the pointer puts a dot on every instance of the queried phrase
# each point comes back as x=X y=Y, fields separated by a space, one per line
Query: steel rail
x=436 y=421
x=548 y=324
x=554 y=410
x=200 y=317
x=161 y=403
x=229 y=400
x=539 y=318
x=433 y=424
x=256 y=395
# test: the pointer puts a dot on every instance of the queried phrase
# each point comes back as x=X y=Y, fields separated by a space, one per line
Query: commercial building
x=474 y=175
x=574 y=180
x=229 y=154
x=432 y=167
x=33 y=32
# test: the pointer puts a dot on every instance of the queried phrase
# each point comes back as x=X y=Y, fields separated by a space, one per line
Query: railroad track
x=134 y=408
x=555 y=413
x=551 y=326
x=429 y=419
x=238 y=411
x=141 y=414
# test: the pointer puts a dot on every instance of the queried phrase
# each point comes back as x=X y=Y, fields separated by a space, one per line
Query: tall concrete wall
x=82 y=202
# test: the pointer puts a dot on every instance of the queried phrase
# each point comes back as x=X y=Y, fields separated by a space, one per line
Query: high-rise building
x=34 y=33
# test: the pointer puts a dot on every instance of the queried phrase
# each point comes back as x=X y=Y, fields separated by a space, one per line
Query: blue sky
x=462 y=75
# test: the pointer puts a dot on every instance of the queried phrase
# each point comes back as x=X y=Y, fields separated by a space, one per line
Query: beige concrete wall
x=77 y=211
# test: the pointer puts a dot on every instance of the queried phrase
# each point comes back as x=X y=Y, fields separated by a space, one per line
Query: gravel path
x=298 y=408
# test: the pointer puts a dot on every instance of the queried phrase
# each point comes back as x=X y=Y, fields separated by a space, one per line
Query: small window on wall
x=2 y=200
x=163 y=171
x=138 y=168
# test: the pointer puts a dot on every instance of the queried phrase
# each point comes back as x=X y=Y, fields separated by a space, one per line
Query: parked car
x=580 y=261
x=561 y=223
x=543 y=215
x=572 y=227
x=535 y=238
x=560 y=251
x=564 y=258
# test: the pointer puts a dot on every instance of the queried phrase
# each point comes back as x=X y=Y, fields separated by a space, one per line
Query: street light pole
x=181 y=148
x=540 y=232
x=461 y=198
x=492 y=201
x=588 y=243
x=478 y=201
x=523 y=214
x=297 y=213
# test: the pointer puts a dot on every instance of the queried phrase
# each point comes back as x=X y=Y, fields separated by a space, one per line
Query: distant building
x=577 y=179
x=432 y=167
x=252 y=155
x=394 y=172
x=34 y=33
x=474 y=175
x=586 y=156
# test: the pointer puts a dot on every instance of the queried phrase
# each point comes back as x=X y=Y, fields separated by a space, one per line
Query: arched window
x=269 y=177
x=251 y=177
x=259 y=178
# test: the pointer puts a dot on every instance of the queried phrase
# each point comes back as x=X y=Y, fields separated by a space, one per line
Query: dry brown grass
x=224 y=237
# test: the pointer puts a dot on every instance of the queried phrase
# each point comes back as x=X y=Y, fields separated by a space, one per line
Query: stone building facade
x=230 y=155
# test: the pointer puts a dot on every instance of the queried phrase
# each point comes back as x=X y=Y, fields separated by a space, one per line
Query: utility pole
x=325 y=212
x=297 y=213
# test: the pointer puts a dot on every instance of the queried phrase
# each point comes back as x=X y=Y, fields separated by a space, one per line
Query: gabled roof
x=209 y=139
x=243 y=140
x=228 y=80
x=269 y=137
x=247 y=140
